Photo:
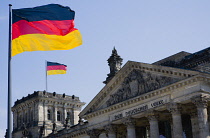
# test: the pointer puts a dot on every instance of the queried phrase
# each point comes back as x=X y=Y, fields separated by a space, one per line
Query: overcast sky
x=141 y=30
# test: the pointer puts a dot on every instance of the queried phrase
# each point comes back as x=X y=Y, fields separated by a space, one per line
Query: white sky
x=141 y=30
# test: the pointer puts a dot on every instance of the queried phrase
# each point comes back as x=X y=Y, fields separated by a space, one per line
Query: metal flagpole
x=46 y=73
x=9 y=119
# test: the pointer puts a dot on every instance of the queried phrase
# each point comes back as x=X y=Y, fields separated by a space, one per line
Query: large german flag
x=44 y=28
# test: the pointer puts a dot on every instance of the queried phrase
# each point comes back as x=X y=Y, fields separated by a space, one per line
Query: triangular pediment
x=139 y=82
x=133 y=80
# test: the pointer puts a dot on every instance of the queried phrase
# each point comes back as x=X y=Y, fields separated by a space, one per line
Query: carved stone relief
x=139 y=82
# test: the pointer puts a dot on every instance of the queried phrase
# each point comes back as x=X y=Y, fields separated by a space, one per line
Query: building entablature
x=162 y=109
x=170 y=91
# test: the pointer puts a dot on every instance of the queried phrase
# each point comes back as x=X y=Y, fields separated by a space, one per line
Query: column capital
x=174 y=108
x=193 y=113
x=110 y=128
x=94 y=133
x=152 y=115
x=129 y=122
x=200 y=100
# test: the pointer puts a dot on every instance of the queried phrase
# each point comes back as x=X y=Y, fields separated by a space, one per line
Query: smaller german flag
x=54 y=68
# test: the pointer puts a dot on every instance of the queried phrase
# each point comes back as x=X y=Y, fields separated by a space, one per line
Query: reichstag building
x=166 y=99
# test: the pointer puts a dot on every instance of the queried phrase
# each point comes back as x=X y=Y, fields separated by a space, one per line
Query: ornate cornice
x=41 y=98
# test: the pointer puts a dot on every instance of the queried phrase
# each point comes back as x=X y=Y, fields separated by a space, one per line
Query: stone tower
x=114 y=62
x=42 y=113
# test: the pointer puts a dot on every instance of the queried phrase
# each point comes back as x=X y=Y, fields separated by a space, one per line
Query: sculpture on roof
x=114 y=62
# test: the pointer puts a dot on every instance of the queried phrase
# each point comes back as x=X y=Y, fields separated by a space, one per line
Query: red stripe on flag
x=49 y=27
x=58 y=67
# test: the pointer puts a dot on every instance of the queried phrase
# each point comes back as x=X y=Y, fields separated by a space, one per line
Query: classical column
x=201 y=104
x=176 y=119
x=153 y=121
x=194 y=123
x=111 y=130
x=130 y=123
x=94 y=133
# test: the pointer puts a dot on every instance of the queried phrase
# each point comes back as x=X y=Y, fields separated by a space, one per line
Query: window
x=31 y=115
x=68 y=115
x=20 y=120
x=58 y=116
x=48 y=115
x=26 y=117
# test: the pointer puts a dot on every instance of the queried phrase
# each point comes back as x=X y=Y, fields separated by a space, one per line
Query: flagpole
x=46 y=73
x=9 y=119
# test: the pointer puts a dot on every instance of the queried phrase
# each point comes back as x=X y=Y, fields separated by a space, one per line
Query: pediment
x=139 y=82
x=133 y=80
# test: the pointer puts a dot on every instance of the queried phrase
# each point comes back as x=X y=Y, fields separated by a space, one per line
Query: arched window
x=58 y=116
x=48 y=115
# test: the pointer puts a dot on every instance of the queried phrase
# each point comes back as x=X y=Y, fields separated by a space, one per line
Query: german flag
x=54 y=68
x=44 y=28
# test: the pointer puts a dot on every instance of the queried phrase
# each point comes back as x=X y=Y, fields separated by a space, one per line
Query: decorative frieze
x=139 y=82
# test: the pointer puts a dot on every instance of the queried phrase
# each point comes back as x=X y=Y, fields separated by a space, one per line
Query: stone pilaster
x=130 y=123
x=54 y=113
x=153 y=121
x=44 y=111
x=94 y=133
x=201 y=104
x=64 y=116
x=175 y=109
x=15 y=119
x=111 y=130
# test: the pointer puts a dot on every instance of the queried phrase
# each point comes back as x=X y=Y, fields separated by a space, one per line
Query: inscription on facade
x=138 y=109
x=158 y=103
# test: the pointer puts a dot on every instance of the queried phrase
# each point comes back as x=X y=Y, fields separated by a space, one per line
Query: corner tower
x=42 y=113
x=114 y=62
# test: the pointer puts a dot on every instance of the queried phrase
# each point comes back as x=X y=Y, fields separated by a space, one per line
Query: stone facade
x=169 y=98
x=42 y=113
